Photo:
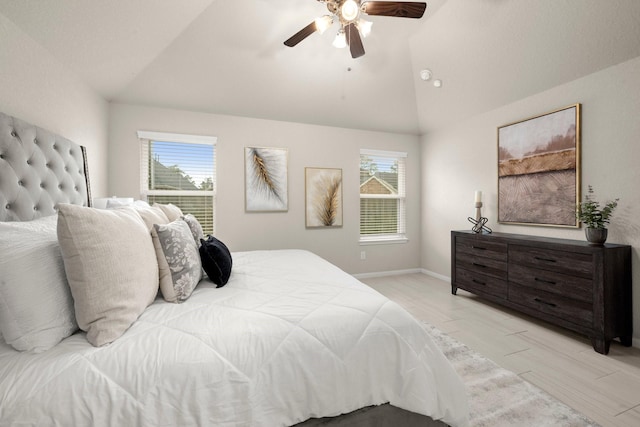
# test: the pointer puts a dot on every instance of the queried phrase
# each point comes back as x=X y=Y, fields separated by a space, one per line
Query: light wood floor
x=604 y=388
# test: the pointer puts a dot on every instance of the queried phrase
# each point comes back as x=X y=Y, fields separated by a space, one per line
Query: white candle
x=478 y=196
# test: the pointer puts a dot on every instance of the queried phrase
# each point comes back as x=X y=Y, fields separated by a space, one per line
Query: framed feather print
x=323 y=197
x=265 y=179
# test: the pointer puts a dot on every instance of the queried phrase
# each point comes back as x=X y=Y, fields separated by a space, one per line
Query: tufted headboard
x=38 y=170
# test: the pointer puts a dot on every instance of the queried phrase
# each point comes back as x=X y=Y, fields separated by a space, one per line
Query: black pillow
x=216 y=260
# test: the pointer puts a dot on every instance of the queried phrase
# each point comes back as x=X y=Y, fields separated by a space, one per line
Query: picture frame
x=539 y=169
x=266 y=179
x=323 y=197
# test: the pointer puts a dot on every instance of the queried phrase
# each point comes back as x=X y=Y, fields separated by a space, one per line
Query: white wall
x=308 y=146
x=463 y=158
x=36 y=88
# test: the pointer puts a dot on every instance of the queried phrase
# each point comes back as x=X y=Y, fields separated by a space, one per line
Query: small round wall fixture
x=425 y=74
x=437 y=83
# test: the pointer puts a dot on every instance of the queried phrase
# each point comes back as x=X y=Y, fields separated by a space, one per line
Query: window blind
x=180 y=169
x=382 y=195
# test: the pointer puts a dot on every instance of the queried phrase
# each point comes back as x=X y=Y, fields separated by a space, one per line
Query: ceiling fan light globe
x=323 y=23
x=341 y=40
x=349 y=10
x=364 y=27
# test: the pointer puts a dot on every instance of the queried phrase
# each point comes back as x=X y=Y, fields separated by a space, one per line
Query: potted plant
x=595 y=217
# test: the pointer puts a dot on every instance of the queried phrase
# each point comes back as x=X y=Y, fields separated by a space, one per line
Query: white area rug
x=498 y=397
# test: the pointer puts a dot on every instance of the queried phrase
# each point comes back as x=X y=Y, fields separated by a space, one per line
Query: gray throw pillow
x=183 y=258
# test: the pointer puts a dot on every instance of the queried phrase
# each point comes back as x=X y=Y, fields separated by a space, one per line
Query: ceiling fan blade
x=400 y=9
x=301 y=35
x=354 y=40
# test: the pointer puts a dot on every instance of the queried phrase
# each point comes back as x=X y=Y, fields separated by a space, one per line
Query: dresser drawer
x=469 y=246
x=571 y=310
x=480 y=283
x=572 y=287
x=570 y=263
x=484 y=266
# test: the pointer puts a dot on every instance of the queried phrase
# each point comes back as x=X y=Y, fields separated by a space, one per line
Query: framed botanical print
x=323 y=197
x=265 y=179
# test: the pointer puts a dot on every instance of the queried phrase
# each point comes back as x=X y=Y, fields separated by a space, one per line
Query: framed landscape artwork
x=323 y=197
x=265 y=179
x=539 y=169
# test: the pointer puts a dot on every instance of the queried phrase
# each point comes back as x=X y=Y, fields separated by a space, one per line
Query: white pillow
x=118 y=202
x=36 y=308
x=150 y=216
x=111 y=268
x=171 y=211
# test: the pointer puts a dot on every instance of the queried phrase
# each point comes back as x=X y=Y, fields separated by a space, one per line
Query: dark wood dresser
x=568 y=283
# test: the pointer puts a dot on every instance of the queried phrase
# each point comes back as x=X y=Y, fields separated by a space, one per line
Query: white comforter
x=288 y=338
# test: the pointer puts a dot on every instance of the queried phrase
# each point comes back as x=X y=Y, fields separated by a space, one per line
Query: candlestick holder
x=479 y=223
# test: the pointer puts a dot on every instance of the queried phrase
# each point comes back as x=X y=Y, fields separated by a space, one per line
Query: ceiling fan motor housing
x=346 y=10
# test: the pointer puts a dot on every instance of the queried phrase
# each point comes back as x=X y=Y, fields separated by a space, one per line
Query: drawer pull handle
x=550 y=304
x=480 y=248
x=545 y=259
x=478 y=282
x=479 y=265
x=544 y=281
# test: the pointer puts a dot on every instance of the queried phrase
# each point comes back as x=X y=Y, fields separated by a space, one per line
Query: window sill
x=393 y=240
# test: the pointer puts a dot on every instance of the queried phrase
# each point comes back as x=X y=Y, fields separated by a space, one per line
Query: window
x=180 y=169
x=382 y=196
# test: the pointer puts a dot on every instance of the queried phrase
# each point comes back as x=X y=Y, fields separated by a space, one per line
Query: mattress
x=290 y=337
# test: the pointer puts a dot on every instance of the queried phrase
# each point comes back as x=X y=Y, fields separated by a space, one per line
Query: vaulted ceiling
x=228 y=57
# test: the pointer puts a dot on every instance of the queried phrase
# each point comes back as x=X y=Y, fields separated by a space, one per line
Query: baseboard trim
x=401 y=272
x=436 y=275
x=386 y=273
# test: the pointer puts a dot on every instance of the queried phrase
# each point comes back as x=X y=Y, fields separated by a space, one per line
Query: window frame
x=400 y=236
x=147 y=137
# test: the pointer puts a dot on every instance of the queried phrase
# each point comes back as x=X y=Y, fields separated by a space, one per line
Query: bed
x=290 y=339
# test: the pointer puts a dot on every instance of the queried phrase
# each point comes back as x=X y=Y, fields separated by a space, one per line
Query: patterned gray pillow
x=183 y=258
x=195 y=227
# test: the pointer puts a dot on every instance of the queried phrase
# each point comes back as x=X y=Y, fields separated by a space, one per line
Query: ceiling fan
x=352 y=27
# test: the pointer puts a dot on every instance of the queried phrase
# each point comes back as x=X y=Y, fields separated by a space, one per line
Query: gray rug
x=498 y=397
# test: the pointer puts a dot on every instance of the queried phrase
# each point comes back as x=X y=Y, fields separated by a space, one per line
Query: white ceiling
x=227 y=57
